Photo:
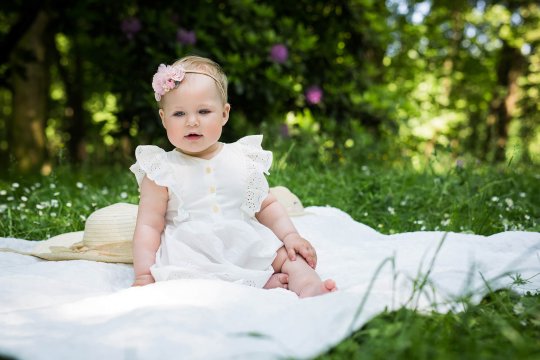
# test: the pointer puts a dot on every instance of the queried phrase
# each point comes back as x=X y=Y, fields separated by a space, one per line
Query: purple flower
x=279 y=53
x=186 y=37
x=131 y=26
x=460 y=164
x=314 y=95
x=284 y=131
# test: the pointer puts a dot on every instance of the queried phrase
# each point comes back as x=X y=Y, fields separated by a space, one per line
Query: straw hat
x=106 y=237
x=290 y=202
x=108 y=233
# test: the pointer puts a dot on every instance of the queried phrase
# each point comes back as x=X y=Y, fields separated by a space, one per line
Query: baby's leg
x=303 y=280
x=277 y=280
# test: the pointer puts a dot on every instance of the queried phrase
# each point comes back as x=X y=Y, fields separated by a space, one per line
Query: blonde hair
x=199 y=64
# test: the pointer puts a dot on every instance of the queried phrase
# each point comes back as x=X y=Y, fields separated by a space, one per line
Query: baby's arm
x=274 y=216
x=150 y=224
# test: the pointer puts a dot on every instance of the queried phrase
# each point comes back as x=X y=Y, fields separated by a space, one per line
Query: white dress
x=211 y=230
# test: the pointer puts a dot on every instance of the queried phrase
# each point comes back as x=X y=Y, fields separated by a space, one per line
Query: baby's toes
x=279 y=280
x=283 y=279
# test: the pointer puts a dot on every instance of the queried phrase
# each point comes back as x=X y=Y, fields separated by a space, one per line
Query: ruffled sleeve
x=258 y=162
x=151 y=162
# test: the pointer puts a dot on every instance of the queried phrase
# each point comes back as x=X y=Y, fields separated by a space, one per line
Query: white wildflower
x=80 y=185
x=10 y=198
x=3 y=207
x=53 y=214
x=494 y=199
x=68 y=204
x=24 y=198
x=391 y=210
x=15 y=185
x=83 y=218
x=506 y=224
x=519 y=308
x=522 y=195
x=52 y=186
x=3 y=192
x=509 y=202
x=423 y=228
x=123 y=195
x=445 y=222
x=56 y=193
x=527 y=217
x=104 y=191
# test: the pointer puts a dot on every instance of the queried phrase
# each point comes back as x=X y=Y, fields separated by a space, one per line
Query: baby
x=205 y=209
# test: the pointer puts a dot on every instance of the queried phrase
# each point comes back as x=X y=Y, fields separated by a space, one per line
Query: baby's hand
x=294 y=244
x=142 y=280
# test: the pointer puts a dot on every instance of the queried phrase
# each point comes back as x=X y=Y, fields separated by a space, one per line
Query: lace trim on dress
x=150 y=162
x=190 y=271
x=258 y=163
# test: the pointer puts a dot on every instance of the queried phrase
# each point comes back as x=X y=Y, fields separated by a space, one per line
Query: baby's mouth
x=193 y=136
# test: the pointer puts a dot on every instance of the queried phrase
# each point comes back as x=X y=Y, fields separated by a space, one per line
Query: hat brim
x=70 y=246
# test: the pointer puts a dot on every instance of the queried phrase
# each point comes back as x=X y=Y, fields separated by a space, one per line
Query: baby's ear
x=226 y=110
x=162 y=116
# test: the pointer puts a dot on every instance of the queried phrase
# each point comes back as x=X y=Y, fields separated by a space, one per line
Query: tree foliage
x=461 y=75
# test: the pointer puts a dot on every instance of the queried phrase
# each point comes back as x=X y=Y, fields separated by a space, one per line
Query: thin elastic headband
x=168 y=77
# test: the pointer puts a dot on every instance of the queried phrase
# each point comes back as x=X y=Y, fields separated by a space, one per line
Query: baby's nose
x=192 y=120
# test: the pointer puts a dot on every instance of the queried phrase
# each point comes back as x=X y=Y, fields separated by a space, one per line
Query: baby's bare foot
x=318 y=288
x=278 y=280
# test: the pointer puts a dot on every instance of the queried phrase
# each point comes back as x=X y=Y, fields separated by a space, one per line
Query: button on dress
x=211 y=230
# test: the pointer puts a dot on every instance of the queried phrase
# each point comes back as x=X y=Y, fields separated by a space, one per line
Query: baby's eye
x=204 y=111
x=179 y=113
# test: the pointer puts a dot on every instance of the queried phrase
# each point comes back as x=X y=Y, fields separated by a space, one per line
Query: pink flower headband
x=168 y=77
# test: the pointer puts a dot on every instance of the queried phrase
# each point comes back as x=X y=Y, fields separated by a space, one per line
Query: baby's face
x=193 y=115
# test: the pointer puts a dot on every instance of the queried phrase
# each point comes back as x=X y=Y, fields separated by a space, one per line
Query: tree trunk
x=503 y=107
x=457 y=24
x=73 y=79
x=30 y=97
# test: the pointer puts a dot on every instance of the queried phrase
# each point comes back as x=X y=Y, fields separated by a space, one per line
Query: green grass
x=470 y=198
x=503 y=326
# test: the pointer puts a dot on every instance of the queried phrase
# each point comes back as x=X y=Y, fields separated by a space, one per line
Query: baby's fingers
x=310 y=255
x=291 y=253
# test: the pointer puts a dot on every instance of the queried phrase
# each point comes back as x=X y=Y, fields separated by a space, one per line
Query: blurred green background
x=344 y=81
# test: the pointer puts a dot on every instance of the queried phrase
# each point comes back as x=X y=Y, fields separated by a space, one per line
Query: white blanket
x=87 y=310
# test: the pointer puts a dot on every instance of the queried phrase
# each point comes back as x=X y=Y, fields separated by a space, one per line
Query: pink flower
x=284 y=131
x=279 y=53
x=186 y=37
x=314 y=95
x=167 y=78
x=131 y=26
